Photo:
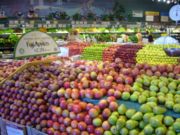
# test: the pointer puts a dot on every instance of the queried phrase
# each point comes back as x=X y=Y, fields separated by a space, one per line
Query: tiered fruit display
x=7 y=68
x=94 y=52
x=154 y=54
x=161 y=90
x=76 y=48
x=51 y=98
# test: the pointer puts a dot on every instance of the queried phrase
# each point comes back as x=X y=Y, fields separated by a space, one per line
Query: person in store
x=74 y=36
x=150 y=37
x=139 y=37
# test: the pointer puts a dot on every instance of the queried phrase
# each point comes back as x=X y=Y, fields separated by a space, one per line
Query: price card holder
x=32 y=22
x=55 y=22
x=119 y=40
x=14 y=129
x=77 y=22
x=54 y=25
x=22 y=22
x=149 y=18
x=60 y=25
x=49 y=25
x=12 y=26
x=39 y=25
x=16 y=22
x=64 y=25
x=81 y=22
x=48 y=22
x=11 y=22
x=1 y=26
x=45 y=25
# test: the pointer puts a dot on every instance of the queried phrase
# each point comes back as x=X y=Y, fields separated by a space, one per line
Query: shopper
x=74 y=36
x=150 y=37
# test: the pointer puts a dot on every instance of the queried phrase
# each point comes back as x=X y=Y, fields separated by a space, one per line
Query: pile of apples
x=94 y=52
x=7 y=68
x=76 y=48
x=109 y=53
x=127 y=53
x=166 y=70
x=49 y=97
x=154 y=55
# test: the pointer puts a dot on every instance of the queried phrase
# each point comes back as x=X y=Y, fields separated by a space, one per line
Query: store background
x=45 y=7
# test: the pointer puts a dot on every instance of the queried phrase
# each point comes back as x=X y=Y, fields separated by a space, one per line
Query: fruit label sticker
x=14 y=131
x=35 y=43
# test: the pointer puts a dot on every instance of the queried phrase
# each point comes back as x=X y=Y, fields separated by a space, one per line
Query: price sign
x=35 y=43
x=150 y=18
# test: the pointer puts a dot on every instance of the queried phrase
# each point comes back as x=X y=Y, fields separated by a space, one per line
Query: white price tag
x=49 y=26
x=45 y=25
x=164 y=18
x=31 y=22
x=16 y=22
x=39 y=25
x=48 y=22
x=22 y=22
x=12 y=26
x=150 y=18
x=55 y=22
x=11 y=22
x=64 y=52
x=54 y=25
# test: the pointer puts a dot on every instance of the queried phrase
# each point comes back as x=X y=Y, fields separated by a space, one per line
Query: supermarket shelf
x=97 y=33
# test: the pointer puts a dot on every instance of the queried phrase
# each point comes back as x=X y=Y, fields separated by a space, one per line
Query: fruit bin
x=24 y=67
x=2 y=78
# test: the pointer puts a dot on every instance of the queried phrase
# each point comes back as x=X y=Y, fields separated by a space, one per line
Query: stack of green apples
x=94 y=52
x=154 y=54
x=161 y=90
x=150 y=119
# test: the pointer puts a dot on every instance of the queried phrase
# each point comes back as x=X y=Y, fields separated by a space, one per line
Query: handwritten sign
x=35 y=43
